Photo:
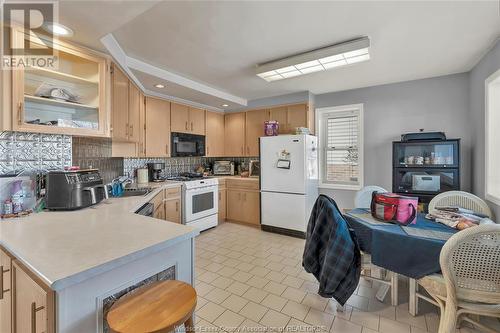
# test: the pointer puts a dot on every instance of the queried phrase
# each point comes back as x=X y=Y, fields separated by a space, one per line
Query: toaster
x=75 y=189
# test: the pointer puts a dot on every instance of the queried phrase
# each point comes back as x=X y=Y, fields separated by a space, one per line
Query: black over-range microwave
x=184 y=144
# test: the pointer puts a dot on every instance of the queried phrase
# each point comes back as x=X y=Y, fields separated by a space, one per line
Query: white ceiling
x=219 y=42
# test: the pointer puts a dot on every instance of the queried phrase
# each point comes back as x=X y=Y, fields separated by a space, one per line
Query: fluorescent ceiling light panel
x=333 y=56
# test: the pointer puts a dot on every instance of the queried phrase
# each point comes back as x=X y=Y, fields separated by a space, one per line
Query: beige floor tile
x=274 y=320
x=291 y=270
x=257 y=282
x=228 y=271
x=245 y=267
x=229 y=321
x=219 y=258
x=255 y=295
x=292 y=261
x=241 y=276
x=392 y=326
x=231 y=262
x=250 y=326
x=315 y=301
x=207 y=277
x=247 y=258
x=310 y=287
x=274 y=302
x=343 y=326
x=260 y=271
x=200 y=302
x=260 y=261
x=432 y=320
x=319 y=318
x=238 y=288
x=213 y=267
x=414 y=329
x=365 y=319
x=293 y=294
x=275 y=266
x=298 y=326
x=292 y=281
x=234 y=254
x=210 y=311
x=276 y=258
x=234 y=303
x=358 y=302
x=403 y=316
x=253 y=311
x=203 y=288
x=275 y=288
x=382 y=309
x=222 y=282
x=295 y=310
x=275 y=276
x=217 y=295
x=331 y=307
x=368 y=330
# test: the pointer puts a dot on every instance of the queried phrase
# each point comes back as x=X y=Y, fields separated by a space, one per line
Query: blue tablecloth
x=392 y=248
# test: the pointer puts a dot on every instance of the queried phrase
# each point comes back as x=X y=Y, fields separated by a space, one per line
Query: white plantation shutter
x=341 y=147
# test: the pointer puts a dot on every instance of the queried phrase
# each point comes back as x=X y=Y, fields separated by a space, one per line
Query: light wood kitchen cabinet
x=134 y=116
x=254 y=130
x=82 y=72
x=159 y=205
x=120 y=104
x=157 y=127
x=222 y=200
x=173 y=210
x=234 y=132
x=214 y=134
x=187 y=119
x=243 y=201
x=291 y=116
x=33 y=302
x=141 y=147
x=5 y=292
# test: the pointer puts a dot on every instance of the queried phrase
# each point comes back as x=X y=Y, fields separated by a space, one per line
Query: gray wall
x=489 y=64
x=435 y=104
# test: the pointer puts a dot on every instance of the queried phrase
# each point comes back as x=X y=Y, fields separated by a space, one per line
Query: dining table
x=412 y=250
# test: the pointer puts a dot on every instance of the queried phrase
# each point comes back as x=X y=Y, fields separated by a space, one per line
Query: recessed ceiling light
x=58 y=29
x=225 y=105
x=159 y=85
x=326 y=58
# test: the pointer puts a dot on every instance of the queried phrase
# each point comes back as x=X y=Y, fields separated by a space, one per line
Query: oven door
x=200 y=202
x=185 y=145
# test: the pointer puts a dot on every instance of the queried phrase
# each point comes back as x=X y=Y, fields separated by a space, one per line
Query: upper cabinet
x=157 y=127
x=292 y=116
x=214 y=134
x=234 y=134
x=254 y=130
x=186 y=119
x=68 y=99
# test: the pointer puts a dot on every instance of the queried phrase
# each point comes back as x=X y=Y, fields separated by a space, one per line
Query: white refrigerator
x=289 y=182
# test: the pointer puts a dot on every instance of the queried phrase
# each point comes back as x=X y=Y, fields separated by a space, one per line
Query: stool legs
x=189 y=325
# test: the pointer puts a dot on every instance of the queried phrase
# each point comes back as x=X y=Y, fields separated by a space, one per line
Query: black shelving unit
x=425 y=168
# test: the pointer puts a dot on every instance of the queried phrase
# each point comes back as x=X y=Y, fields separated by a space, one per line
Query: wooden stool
x=159 y=307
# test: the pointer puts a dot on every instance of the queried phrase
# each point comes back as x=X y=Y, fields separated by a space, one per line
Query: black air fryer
x=71 y=190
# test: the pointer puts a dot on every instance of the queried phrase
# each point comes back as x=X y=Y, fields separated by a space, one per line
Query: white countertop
x=65 y=248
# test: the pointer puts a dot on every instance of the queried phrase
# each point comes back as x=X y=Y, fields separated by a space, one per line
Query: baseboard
x=283 y=231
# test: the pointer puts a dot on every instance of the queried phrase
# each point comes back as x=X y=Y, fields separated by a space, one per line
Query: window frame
x=493 y=79
x=321 y=132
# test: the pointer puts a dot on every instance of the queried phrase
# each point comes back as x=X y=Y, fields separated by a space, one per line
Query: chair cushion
x=434 y=284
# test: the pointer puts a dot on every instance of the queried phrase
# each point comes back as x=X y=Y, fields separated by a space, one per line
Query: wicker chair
x=451 y=198
x=470 y=283
x=461 y=199
x=363 y=199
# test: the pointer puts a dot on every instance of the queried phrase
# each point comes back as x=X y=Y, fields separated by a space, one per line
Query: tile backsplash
x=96 y=153
x=177 y=165
x=34 y=151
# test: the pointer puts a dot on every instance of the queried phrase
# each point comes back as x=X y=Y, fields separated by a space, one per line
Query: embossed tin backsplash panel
x=34 y=151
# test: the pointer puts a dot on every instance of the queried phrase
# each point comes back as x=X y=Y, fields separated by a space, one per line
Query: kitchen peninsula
x=78 y=263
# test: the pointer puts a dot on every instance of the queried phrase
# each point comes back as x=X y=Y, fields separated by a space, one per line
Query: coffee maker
x=155 y=171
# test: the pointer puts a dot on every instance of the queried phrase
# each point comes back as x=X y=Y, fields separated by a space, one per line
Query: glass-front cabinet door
x=68 y=98
x=429 y=181
x=435 y=154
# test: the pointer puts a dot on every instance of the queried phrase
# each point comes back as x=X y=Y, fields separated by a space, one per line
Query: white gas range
x=200 y=201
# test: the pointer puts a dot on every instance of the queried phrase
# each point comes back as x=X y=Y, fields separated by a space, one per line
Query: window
x=341 y=146
x=492 y=101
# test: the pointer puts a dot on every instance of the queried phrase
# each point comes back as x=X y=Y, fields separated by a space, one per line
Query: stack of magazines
x=458 y=217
